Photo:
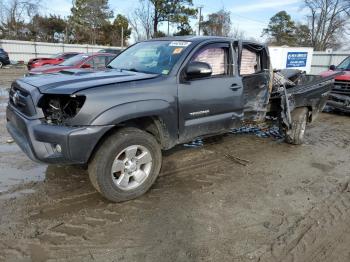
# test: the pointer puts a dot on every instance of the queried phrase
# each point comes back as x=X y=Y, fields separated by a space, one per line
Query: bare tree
x=136 y=28
x=328 y=20
x=236 y=33
x=141 y=21
x=144 y=12
x=14 y=13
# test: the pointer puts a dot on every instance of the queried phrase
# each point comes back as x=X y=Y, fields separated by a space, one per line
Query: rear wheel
x=126 y=165
x=295 y=135
x=1 y=64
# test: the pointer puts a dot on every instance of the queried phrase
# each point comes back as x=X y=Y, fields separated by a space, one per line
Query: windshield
x=56 y=55
x=345 y=65
x=154 y=57
x=74 y=60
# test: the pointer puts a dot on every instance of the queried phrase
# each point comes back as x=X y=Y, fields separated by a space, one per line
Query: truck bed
x=309 y=91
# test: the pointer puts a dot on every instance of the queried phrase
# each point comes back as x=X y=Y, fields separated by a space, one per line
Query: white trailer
x=285 y=57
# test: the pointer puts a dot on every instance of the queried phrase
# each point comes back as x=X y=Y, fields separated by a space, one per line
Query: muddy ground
x=290 y=203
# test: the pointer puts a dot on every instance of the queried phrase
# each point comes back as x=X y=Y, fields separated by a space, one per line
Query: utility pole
x=168 y=25
x=200 y=19
x=66 y=35
x=122 y=37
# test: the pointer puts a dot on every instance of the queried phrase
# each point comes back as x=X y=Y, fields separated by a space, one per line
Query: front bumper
x=38 y=140
x=5 y=61
x=340 y=102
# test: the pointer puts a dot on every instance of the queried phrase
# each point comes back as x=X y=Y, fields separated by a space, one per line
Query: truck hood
x=71 y=81
x=49 y=69
x=345 y=76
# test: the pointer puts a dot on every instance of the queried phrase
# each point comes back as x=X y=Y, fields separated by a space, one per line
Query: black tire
x=101 y=164
x=296 y=134
x=1 y=64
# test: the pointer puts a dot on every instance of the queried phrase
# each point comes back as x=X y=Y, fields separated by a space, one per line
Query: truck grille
x=21 y=100
x=341 y=87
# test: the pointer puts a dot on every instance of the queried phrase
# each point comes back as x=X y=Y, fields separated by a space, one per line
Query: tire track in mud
x=314 y=237
x=192 y=171
x=79 y=214
x=77 y=227
x=339 y=137
x=62 y=202
x=194 y=166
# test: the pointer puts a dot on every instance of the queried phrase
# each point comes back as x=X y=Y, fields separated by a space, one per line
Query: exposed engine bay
x=59 y=109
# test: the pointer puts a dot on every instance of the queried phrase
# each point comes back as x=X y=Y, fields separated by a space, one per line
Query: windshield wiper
x=129 y=69
x=135 y=70
x=110 y=67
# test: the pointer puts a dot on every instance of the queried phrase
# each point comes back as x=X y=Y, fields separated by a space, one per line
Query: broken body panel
x=293 y=89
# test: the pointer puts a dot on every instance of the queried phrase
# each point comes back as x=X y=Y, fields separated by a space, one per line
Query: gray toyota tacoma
x=154 y=95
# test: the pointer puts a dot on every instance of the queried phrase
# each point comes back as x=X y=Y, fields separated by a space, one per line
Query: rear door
x=213 y=104
x=255 y=73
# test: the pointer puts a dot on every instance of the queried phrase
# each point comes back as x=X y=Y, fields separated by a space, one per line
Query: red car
x=54 y=60
x=340 y=94
x=88 y=61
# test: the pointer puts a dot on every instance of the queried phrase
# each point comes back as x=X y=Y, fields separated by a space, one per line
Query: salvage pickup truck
x=154 y=95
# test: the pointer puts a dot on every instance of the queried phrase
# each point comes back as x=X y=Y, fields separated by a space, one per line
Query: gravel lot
x=289 y=203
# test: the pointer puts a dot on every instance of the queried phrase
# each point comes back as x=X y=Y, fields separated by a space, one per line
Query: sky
x=250 y=16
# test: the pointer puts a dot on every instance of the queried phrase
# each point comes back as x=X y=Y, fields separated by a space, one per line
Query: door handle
x=235 y=87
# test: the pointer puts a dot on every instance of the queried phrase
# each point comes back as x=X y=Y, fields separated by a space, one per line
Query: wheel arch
x=153 y=125
x=310 y=112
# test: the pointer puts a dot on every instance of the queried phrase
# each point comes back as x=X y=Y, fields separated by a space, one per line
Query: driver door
x=213 y=104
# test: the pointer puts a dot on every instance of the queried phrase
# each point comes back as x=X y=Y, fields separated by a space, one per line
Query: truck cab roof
x=198 y=39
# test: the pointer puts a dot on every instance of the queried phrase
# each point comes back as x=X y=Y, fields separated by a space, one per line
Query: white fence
x=25 y=50
x=322 y=60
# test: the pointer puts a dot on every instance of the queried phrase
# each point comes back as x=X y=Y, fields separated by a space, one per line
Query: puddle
x=11 y=177
x=9 y=148
x=3 y=92
x=16 y=194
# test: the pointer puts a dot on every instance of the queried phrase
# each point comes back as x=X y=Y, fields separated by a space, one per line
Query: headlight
x=59 y=109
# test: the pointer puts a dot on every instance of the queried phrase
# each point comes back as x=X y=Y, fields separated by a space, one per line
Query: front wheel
x=295 y=135
x=126 y=165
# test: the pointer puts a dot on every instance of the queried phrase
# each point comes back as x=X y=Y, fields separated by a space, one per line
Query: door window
x=90 y=62
x=345 y=65
x=99 y=62
x=216 y=56
x=109 y=59
x=67 y=56
x=250 y=63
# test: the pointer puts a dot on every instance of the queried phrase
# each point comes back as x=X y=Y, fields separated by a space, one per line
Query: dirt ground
x=290 y=203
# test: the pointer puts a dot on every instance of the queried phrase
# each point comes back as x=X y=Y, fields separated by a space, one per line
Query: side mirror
x=332 y=67
x=198 y=70
x=86 y=66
